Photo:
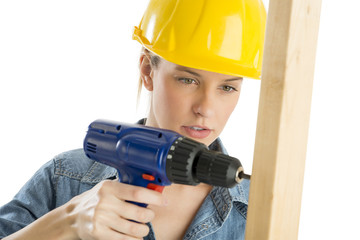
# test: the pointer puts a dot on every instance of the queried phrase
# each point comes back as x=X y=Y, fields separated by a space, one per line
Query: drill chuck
x=190 y=162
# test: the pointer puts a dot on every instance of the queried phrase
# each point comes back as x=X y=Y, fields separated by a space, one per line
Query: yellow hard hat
x=219 y=36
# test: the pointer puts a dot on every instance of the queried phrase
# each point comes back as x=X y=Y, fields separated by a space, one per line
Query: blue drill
x=154 y=158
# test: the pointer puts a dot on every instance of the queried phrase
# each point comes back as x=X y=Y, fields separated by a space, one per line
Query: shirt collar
x=240 y=192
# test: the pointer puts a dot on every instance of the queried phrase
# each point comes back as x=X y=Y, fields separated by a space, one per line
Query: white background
x=66 y=63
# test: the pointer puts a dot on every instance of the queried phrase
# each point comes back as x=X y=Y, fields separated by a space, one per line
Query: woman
x=195 y=56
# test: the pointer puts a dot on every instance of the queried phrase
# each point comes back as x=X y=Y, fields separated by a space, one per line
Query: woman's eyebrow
x=188 y=70
x=234 y=79
x=185 y=69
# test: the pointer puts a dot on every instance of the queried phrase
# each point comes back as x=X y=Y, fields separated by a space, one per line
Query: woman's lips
x=197 y=131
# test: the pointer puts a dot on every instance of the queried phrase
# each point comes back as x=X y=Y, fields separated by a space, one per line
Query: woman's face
x=195 y=103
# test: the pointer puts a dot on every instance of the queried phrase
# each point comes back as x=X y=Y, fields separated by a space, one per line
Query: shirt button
x=205 y=226
x=225 y=207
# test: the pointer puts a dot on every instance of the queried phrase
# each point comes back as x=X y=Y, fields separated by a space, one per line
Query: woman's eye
x=228 y=88
x=187 y=80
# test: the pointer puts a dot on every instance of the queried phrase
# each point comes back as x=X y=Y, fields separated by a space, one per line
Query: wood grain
x=283 y=119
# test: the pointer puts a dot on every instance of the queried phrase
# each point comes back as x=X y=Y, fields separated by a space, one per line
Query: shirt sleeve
x=35 y=198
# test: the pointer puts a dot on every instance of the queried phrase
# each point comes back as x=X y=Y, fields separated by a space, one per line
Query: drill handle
x=137 y=178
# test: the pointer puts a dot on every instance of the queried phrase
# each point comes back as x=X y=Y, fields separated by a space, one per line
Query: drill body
x=154 y=158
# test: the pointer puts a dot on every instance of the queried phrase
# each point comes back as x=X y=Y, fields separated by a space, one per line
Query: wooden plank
x=283 y=119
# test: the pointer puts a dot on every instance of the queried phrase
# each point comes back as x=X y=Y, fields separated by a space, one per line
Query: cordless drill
x=154 y=158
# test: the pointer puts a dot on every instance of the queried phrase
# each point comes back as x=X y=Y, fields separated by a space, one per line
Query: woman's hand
x=104 y=213
x=101 y=213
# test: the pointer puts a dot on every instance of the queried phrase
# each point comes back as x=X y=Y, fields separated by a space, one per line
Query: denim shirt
x=221 y=216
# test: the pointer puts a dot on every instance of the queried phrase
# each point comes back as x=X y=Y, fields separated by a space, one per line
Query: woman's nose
x=204 y=104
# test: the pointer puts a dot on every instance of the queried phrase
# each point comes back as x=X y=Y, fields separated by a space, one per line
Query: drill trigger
x=155 y=187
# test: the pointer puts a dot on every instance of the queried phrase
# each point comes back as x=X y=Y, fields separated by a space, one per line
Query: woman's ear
x=146 y=71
